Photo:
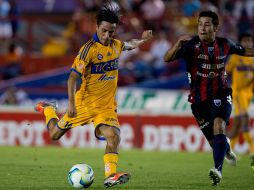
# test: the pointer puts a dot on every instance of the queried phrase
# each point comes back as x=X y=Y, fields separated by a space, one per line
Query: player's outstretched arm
x=249 y=52
x=71 y=110
x=170 y=54
x=134 y=43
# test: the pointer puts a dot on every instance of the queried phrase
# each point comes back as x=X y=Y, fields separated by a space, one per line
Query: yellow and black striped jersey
x=97 y=65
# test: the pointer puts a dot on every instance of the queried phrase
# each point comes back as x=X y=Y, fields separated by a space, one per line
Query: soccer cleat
x=40 y=106
x=215 y=176
x=115 y=179
x=230 y=156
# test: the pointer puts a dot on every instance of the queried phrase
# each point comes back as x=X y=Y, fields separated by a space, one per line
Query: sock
x=233 y=141
x=110 y=161
x=219 y=150
x=247 y=138
x=50 y=113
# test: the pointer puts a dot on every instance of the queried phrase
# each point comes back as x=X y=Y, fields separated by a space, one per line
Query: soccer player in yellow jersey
x=242 y=72
x=97 y=65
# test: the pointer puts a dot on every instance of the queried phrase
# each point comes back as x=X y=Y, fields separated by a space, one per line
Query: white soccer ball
x=81 y=176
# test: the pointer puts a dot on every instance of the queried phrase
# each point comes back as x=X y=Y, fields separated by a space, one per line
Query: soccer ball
x=81 y=176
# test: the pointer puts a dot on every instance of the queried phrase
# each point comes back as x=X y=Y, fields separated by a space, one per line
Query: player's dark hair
x=244 y=35
x=211 y=14
x=109 y=12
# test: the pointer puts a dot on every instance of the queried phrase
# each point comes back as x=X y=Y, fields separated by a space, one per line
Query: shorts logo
x=217 y=102
x=229 y=99
x=99 y=56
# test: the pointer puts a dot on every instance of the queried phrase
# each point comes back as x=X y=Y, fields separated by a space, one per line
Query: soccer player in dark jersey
x=210 y=94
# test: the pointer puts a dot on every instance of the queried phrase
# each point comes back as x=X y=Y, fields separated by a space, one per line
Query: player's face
x=105 y=31
x=206 y=29
x=247 y=42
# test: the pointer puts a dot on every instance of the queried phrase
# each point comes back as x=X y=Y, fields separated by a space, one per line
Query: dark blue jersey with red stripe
x=206 y=66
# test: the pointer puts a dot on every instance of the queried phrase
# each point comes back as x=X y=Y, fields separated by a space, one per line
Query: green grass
x=46 y=168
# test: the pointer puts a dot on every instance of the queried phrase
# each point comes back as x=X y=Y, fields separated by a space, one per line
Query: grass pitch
x=47 y=167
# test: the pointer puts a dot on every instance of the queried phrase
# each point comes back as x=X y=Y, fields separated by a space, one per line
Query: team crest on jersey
x=99 y=56
x=217 y=102
x=211 y=50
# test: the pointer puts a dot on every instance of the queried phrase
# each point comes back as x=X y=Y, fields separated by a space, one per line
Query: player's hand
x=183 y=39
x=147 y=35
x=71 y=111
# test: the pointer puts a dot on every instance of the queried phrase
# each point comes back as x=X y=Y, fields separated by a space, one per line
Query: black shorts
x=206 y=111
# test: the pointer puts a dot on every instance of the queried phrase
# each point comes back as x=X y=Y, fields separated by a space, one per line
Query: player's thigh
x=108 y=121
x=221 y=108
x=202 y=114
x=83 y=117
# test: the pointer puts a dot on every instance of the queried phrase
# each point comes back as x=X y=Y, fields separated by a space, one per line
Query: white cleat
x=230 y=156
x=215 y=176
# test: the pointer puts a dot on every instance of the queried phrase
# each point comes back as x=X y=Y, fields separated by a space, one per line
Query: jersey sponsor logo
x=209 y=75
x=104 y=77
x=212 y=66
x=202 y=56
x=103 y=67
x=217 y=102
x=99 y=56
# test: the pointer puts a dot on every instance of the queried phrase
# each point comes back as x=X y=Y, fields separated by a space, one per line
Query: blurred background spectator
x=39 y=39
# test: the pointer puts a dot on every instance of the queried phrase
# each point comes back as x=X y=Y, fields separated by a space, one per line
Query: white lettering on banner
x=12 y=131
x=194 y=136
x=39 y=128
x=171 y=138
x=26 y=134
x=151 y=137
x=127 y=136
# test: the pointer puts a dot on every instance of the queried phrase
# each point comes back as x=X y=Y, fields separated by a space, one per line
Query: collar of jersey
x=95 y=37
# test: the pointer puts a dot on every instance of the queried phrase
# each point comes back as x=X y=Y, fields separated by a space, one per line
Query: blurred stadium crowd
x=39 y=37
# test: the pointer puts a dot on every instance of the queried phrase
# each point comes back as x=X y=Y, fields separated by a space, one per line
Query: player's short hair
x=244 y=35
x=109 y=12
x=211 y=14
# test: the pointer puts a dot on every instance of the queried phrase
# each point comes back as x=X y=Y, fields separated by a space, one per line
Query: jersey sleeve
x=231 y=64
x=120 y=45
x=181 y=53
x=235 y=48
x=83 y=58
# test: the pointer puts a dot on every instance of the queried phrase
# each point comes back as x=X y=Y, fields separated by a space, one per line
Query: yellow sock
x=233 y=142
x=247 y=138
x=50 y=113
x=110 y=161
